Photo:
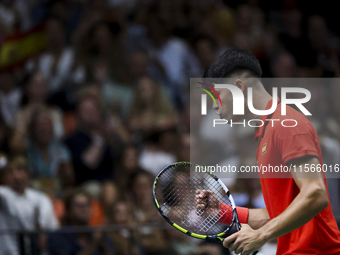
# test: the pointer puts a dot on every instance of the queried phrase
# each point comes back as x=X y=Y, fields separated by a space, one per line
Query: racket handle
x=231 y=231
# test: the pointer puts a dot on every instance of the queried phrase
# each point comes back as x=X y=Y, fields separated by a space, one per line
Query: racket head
x=174 y=192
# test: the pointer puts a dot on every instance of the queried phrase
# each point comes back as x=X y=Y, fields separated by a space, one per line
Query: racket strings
x=209 y=222
x=176 y=194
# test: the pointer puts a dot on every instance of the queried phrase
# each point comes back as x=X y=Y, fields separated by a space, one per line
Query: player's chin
x=236 y=119
x=225 y=118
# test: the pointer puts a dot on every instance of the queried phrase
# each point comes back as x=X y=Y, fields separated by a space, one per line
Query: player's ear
x=240 y=84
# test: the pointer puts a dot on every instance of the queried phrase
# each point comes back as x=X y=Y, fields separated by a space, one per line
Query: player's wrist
x=243 y=214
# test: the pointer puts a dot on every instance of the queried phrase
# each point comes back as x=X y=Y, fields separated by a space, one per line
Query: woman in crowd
x=128 y=166
x=85 y=241
x=144 y=212
x=47 y=156
x=36 y=96
x=126 y=240
x=150 y=109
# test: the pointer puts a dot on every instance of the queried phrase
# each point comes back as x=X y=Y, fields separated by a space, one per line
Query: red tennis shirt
x=276 y=146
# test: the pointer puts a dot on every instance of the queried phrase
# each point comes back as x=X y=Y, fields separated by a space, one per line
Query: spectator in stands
x=138 y=65
x=144 y=212
x=206 y=51
x=114 y=94
x=22 y=208
x=109 y=195
x=150 y=109
x=58 y=63
x=154 y=155
x=284 y=65
x=36 y=95
x=10 y=17
x=172 y=53
x=323 y=44
x=184 y=148
x=91 y=156
x=125 y=240
x=128 y=165
x=211 y=248
x=106 y=42
x=10 y=97
x=47 y=156
x=86 y=241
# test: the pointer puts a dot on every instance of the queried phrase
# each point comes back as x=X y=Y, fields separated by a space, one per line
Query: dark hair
x=39 y=111
x=111 y=210
x=212 y=42
x=17 y=161
x=234 y=62
x=68 y=201
x=59 y=20
x=138 y=173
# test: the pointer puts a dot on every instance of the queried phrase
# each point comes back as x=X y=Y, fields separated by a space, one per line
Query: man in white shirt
x=21 y=208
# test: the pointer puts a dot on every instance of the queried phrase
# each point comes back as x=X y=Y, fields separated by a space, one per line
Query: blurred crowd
x=88 y=118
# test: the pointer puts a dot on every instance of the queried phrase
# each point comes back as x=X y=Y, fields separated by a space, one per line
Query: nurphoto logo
x=239 y=103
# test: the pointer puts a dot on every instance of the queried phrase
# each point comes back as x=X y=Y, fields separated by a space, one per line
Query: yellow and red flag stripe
x=19 y=47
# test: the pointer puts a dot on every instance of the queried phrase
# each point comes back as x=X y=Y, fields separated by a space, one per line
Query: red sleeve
x=296 y=142
x=226 y=214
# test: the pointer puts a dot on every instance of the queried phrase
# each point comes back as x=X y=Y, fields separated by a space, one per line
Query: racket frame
x=219 y=236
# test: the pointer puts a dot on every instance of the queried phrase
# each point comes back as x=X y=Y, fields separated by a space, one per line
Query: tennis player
x=298 y=212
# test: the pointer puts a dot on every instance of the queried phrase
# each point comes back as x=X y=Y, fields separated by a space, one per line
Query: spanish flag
x=19 y=47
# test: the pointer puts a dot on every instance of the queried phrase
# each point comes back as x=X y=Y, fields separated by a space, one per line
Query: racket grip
x=232 y=230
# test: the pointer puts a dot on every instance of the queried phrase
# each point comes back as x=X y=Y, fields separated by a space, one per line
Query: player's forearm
x=309 y=202
x=258 y=217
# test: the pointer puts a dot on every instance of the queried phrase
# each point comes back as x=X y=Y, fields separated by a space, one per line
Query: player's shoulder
x=291 y=124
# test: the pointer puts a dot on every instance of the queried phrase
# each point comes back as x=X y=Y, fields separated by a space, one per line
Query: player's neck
x=260 y=101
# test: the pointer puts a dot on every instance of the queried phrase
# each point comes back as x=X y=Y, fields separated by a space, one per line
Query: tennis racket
x=175 y=193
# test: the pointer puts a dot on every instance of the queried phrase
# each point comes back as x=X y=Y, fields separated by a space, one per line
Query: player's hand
x=207 y=202
x=245 y=241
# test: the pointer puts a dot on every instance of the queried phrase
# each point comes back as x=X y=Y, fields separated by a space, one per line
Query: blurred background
x=94 y=101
